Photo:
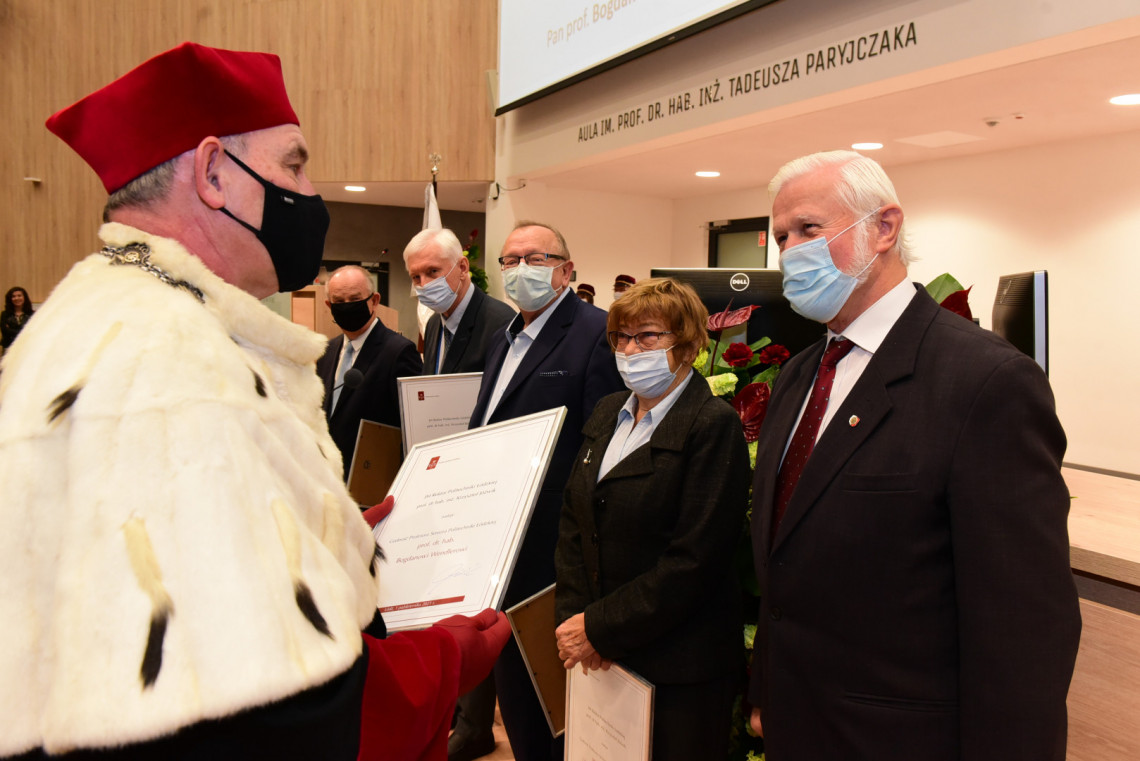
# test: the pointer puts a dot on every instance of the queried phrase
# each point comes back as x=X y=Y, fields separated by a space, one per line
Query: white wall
x=1073 y=209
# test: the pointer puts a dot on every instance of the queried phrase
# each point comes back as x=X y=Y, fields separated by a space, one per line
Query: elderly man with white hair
x=909 y=516
x=464 y=318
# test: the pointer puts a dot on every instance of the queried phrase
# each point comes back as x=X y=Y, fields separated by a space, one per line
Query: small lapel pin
x=587 y=460
x=853 y=421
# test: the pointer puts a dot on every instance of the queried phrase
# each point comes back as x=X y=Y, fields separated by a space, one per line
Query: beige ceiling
x=1048 y=99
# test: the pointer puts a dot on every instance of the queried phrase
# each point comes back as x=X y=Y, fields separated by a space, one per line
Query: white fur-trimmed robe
x=172 y=478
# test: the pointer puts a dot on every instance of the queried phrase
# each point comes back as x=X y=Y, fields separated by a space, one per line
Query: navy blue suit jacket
x=570 y=364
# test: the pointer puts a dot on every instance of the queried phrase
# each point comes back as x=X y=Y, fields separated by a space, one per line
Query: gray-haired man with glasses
x=554 y=353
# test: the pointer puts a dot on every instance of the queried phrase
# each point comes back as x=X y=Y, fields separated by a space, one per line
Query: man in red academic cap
x=182 y=573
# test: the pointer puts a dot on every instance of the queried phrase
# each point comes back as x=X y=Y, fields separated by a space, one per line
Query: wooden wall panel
x=378 y=84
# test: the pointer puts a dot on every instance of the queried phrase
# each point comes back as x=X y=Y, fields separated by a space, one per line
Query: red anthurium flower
x=727 y=319
x=737 y=355
x=774 y=354
x=751 y=404
x=957 y=303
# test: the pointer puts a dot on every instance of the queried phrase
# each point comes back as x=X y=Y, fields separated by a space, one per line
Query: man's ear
x=890 y=223
x=208 y=180
x=464 y=265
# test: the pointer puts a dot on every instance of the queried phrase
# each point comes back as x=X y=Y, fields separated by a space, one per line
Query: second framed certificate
x=432 y=406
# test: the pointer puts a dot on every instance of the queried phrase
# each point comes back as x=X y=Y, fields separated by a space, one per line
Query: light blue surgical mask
x=816 y=288
x=646 y=373
x=437 y=295
x=529 y=287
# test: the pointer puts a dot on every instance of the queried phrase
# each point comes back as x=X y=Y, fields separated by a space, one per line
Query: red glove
x=377 y=513
x=479 y=639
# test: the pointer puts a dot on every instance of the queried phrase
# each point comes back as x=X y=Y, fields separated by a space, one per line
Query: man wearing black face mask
x=367 y=345
x=170 y=497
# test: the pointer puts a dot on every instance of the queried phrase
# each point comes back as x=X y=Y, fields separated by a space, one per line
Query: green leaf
x=768 y=376
x=757 y=346
x=942 y=286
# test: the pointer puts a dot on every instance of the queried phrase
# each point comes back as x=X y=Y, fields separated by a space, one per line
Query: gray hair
x=563 y=248
x=445 y=239
x=154 y=184
x=863 y=187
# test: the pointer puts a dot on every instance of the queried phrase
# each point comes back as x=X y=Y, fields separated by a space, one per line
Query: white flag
x=431 y=210
x=431 y=222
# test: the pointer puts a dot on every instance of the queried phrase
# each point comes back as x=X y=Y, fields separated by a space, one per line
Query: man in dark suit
x=457 y=335
x=917 y=601
x=554 y=353
x=455 y=341
x=367 y=345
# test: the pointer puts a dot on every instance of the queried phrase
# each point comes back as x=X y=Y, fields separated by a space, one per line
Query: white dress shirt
x=518 y=342
x=867 y=332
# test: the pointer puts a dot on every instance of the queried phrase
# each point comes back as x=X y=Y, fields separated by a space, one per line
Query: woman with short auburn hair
x=650 y=520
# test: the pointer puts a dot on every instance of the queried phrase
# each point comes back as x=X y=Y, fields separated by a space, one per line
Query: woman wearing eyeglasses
x=650 y=520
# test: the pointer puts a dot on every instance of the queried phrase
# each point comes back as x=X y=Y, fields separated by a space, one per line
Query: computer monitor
x=719 y=288
x=1021 y=313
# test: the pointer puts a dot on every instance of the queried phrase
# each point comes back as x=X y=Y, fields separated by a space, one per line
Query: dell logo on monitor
x=739 y=281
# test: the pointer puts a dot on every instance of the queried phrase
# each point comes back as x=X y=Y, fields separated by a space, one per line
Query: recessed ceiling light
x=355 y=188
x=708 y=174
x=1126 y=100
x=866 y=146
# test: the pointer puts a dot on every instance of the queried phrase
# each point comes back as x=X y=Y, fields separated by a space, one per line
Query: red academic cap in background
x=586 y=288
x=170 y=103
x=624 y=279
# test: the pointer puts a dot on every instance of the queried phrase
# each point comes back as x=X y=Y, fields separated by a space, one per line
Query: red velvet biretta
x=169 y=104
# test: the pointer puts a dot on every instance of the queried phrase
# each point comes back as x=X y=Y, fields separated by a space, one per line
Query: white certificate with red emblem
x=463 y=503
x=432 y=406
x=609 y=715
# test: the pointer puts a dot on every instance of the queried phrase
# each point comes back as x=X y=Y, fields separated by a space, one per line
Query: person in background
x=182 y=573
x=622 y=283
x=464 y=321
x=650 y=523
x=464 y=318
x=380 y=354
x=586 y=293
x=909 y=517
x=554 y=353
x=17 y=311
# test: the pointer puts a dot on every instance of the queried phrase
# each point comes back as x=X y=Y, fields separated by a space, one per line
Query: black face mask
x=293 y=228
x=351 y=315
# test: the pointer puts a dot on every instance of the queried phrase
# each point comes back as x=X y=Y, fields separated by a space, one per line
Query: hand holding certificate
x=463 y=503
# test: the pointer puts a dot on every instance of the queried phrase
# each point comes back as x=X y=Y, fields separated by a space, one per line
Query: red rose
x=737 y=355
x=774 y=354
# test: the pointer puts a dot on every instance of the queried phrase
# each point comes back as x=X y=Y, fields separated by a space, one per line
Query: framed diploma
x=532 y=622
x=609 y=715
x=463 y=504
x=432 y=406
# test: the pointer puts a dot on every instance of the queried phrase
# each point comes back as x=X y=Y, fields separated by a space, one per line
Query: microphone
x=352 y=379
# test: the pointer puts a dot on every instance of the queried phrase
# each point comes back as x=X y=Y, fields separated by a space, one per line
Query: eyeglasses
x=646 y=340
x=534 y=260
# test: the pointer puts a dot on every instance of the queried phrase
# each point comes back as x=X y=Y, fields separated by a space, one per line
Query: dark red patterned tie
x=803 y=440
